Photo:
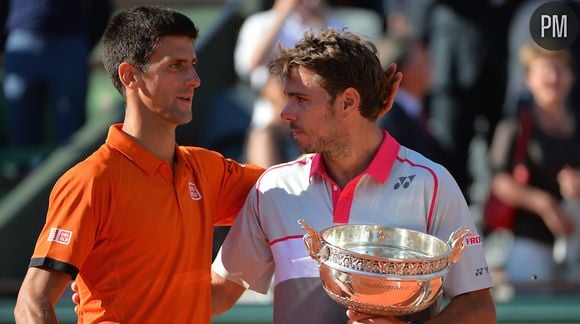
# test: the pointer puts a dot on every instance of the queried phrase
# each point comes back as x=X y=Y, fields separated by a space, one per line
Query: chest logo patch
x=193 y=192
x=59 y=236
x=404 y=182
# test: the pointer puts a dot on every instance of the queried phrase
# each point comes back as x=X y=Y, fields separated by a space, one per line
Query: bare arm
x=472 y=307
x=224 y=294
x=40 y=290
x=532 y=199
x=281 y=10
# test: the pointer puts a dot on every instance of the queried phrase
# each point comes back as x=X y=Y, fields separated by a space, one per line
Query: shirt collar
x=380 y=166
x=132 y=150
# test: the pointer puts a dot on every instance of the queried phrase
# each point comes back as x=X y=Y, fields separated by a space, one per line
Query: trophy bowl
x=382 y=270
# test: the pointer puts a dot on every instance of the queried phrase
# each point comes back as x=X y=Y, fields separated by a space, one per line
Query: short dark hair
x=342 y=59
x=132 y=35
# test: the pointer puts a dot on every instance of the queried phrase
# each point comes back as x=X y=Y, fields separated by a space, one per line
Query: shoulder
x=96 y=170
x=408 y=158
x=199 y=153
x=433 y=174
x=284 y=174
x=205 y=159
x=212 y=163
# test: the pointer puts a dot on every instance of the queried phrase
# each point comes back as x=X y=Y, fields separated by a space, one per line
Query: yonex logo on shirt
x=405 y=182
x=59 y=236
x=193 y=192
x=480 y=271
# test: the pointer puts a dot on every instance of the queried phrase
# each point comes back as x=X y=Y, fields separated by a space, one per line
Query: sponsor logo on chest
x=193 y=192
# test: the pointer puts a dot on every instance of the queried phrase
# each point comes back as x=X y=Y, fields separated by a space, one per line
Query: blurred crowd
x=478 y=96
x=45 y=51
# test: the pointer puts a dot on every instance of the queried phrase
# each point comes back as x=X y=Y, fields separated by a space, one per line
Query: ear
x=128 y=74
x=350 y=98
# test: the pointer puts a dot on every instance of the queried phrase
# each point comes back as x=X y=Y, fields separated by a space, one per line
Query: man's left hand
x=394 y=80
x=360 y=318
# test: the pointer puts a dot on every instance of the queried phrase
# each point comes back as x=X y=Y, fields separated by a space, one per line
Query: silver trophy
x=382 y=270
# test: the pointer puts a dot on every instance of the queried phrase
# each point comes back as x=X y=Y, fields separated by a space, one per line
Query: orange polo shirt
x=139 y=235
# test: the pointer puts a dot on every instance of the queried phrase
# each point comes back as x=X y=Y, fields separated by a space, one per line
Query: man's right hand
x=224 y=294
x=75 y=296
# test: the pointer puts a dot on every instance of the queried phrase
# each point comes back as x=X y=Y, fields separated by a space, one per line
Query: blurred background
x=464 y=77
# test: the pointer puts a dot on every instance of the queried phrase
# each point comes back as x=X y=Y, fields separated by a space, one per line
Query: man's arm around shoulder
x=40 y=290
x=224 y=294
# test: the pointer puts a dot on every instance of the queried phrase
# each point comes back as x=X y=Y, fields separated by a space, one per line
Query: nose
x=287 y=113
x=193 y=79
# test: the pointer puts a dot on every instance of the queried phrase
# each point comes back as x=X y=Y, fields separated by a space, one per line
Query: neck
x=157 y=138
x=355 y=157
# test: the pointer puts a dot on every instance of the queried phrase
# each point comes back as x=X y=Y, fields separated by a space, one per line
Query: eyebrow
x=180 y=60
x=295 y=93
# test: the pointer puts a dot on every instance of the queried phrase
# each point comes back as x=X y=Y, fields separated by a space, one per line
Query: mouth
x=186 y=99
x=295 y=130
x=296 y=133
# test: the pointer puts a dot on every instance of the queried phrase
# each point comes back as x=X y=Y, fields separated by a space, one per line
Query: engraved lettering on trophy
x=375 y=284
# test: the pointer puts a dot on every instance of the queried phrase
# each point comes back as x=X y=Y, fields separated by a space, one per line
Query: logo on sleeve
x=193 y=192
x=59 y=236
x=473 y=240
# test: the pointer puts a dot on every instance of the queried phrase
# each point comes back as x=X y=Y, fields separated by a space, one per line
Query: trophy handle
x=311 y=240
x=457 y=243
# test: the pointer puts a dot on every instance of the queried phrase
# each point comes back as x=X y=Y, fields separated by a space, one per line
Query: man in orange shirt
x=135 y=219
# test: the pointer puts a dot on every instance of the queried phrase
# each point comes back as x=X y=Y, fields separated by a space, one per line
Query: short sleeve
x=245 y=256
x=237 y=181
x=71 y=224
x=471 y=272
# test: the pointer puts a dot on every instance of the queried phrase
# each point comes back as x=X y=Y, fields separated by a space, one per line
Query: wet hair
x=132 y=35
x=341 y=59
x=531 y=51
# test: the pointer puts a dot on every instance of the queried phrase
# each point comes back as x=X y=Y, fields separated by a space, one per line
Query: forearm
x=269 y=37
x=37 y=309
x=224 y=294
x=38 y=294
x=519 y=195
x=474 y=307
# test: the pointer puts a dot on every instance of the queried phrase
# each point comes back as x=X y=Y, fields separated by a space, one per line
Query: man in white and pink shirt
x=352 y=173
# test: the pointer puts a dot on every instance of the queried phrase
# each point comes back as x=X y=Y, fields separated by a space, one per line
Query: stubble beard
x=333 y=145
